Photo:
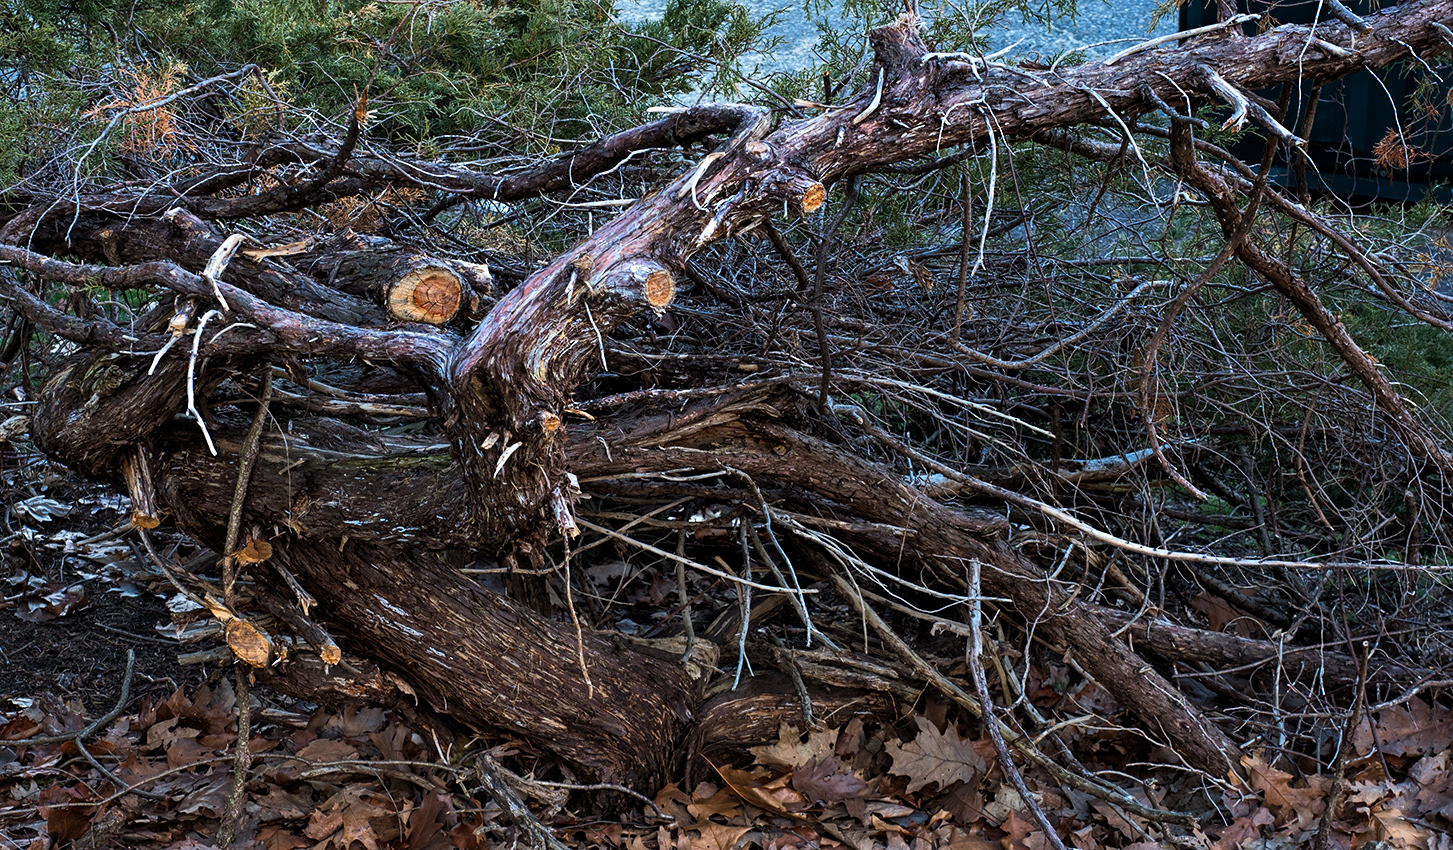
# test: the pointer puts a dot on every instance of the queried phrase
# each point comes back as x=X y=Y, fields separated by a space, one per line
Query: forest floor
x=155 y=769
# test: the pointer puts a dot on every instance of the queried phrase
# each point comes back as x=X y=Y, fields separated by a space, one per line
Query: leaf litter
x=159 y=774
x=371 y=779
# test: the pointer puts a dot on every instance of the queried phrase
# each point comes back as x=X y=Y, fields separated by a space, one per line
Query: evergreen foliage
x=517 y=78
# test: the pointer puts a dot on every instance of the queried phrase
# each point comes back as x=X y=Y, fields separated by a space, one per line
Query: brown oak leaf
x=280 y=838
x=1394 y=828
x=723 y=803
x=935 y=757
x=764 y=791
x=1408 y=730
x=715 y=836
x=348 y=813
x=1243 y=829
x=323 y=750
x=65 y=816
x=791 y=752
x=1300 y=806
x=1434 y=781
x=828 y=781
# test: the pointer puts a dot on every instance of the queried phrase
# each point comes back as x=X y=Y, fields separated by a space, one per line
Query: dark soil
x=83 y=655
x=80 y=654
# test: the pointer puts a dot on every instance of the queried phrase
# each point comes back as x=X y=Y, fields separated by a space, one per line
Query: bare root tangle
x=1072 y=390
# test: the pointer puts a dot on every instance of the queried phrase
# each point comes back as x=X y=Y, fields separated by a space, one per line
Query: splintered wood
x=134 y=469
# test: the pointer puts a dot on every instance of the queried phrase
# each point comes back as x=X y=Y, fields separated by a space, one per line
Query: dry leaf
x=1290 y=805
x=672 y=800
x=54 y=605
x=426 y=828
x=359 y=720
x=1408 y=730
x=828 y=781
x=959 y=839
x=1434 y=783
x=791 y=752
x=763 y=791
x=322 y=824
x=1392 y=826
x=1243 y=829
x=715 y=836
x=964 y=802
x=723 y=803
x=186 y=751
x=65 y=818
x=279 y=838
x=323 y=750
x=1020 y=831
x=349 y=813
x=936 y=757
x=1219 y=614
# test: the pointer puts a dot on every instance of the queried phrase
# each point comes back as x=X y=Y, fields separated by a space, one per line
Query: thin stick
x=1177 y=36
x=305 y=599
x=247 y=456
x=877 y=99
x=492 y=777
x=94 y=725
x=1347 y=16
x=683 y=596
x=242 y=760
x=166 y=571
x=972 y=483
x=606 y=786
x=968 y=220
x=971 y=705
x=819 y=275
x=192 y=379
x=784 y=250
x=1339 y=772
x=575 y=618
x=744 y=597
x=600 y=529
x=986 y=705
x=218 y=264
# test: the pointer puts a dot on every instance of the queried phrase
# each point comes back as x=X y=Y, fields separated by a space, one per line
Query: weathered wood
x=529 y=352
x=1232 y=652
x=136 y=472
x=803 y=473
x=411 y=286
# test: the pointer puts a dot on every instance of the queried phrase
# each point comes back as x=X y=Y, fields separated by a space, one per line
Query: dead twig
x=986 y=706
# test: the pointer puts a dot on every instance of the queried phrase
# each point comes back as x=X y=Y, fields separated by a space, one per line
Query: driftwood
x=364 y=522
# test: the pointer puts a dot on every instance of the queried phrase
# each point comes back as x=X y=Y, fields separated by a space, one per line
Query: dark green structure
x=1406 y=108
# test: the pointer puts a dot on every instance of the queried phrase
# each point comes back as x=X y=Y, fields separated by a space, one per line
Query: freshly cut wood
x=254 y=551
x=249 y=643
x=317 y=637
x=429 y=294
x=411 y=286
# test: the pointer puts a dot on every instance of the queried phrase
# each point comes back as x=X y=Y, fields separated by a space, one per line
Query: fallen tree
x=252 y=401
